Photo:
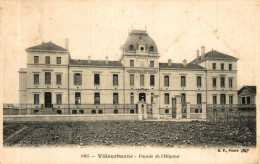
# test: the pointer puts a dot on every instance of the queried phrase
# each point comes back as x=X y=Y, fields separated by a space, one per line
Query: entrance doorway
x=47 y=100
x=142 y=97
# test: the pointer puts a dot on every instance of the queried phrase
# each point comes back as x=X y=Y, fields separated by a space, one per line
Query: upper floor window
x=213 y=65
x=47 y=60
x=230 y=66
x=47 y=78
x=115 y=98
x=198 y=98
x=132 y=63
x=36 y=99
x=141 y=80
x=77 y=79
x=151 y=63
x=214 y=82
x=222 y=81
x=58 y=99
x=36 y=59
x=96 y=98
x=58 y=79
x=115 y=79
x=166 y=81
x=222 y=98
x=152 y=80
x=230 y=83
x=36 y=79
x=77 y=98
x=151 y=48
x=131 y=47
x=222 y=66
x=166 y=98
x=183 y=98
x=183 y=81
x=58 y=60
x=96 y=79
x=198 y=81
x=132 y=80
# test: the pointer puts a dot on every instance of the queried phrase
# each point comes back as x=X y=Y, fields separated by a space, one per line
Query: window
x=198 y=81
x=230 y=99
x=166 y=81
x=77 y=98
x=115 y=79
x=222 y=99
x=243 y=100
x=198 y=98
x=248 y=100
x=93 y=112
x=47 y=60
x=36 y=99
x=96 y=98
x=152 y=94
x=132 y=63
x=81 y=111
x=214 y=82
x=152 y=80
x=230 y=83
x=77 y=79
x=115 y=98
x=183 y=81
x=222 y=82
x=183 y=98
x=141 y=80
x=59 y=111
x=131 y=47
x=222 y=66
x=58 y=79
x=100 y=111
x=132 y=98
x=151 y=48
x=166 y=98
x=36 y=59
x=96 y=79
x=58 y=99
x=230 y=67
x=74 y=111
x=213 y=65
x=36 y=79
x=132 y=111
x=58 y=60
x=151 y=63
x=116 y=111
x=166 y=110
x=47 y=78
x=214 y=99
x=132 y=80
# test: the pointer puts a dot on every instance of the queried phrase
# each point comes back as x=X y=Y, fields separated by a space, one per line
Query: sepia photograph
x=129 y=81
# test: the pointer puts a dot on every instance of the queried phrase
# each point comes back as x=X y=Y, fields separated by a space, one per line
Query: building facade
x=247 y=98
x=53 y=79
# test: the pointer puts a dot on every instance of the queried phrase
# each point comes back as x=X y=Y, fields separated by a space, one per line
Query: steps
x=45 y=111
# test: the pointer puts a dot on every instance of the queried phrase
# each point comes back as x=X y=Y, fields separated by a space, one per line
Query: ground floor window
x=36 y=98
x=132 y=111
x=81 y=111
x=74 y=112
x=35 y=111
x=100 y=111
x=166 y=110
x=59 y=111
x=132 y=98
x=58 y=99
x=97 y=98
x=115 y=111
x=93 y=112
x=77 y=98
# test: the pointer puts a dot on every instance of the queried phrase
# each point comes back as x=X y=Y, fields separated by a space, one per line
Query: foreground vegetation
x=128 y=133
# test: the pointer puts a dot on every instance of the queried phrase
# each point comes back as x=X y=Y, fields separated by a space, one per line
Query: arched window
x=151 y=48
x=131 y=47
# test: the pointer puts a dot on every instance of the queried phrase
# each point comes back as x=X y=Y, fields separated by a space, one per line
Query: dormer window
x=151 y=48
x=131 y=47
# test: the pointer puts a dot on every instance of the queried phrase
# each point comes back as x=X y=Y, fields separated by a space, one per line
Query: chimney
x=67 y=44
x=184 y=62
x=198 y=53
x=203 y=52
x=106 y=59
x=169 y=62
x=89 y=59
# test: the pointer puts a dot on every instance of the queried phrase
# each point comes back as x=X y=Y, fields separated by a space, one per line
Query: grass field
x=127 y=133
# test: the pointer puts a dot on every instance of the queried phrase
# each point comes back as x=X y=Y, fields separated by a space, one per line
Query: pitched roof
x=214 y=55
x=47 y=47
x=180 y=66
x=250 y=88
x=95 y=62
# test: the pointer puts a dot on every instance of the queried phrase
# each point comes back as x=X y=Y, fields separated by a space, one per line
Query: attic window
x=151 y=48
x=131 y=47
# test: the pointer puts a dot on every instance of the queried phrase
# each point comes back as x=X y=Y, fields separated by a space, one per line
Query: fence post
x=204 y=110
x=178 y=107
x=155 y=107
x=140 y=112
x=188 y=110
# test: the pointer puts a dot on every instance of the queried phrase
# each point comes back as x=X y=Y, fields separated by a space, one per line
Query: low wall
x=50 y=118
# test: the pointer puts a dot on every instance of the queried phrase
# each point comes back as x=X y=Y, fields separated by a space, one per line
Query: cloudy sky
x=99 y=28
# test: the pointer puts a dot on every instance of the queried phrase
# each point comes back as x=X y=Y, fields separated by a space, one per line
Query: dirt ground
x=128 y=133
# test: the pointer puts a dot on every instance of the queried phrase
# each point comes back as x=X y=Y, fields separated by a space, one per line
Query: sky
x=99 y=28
